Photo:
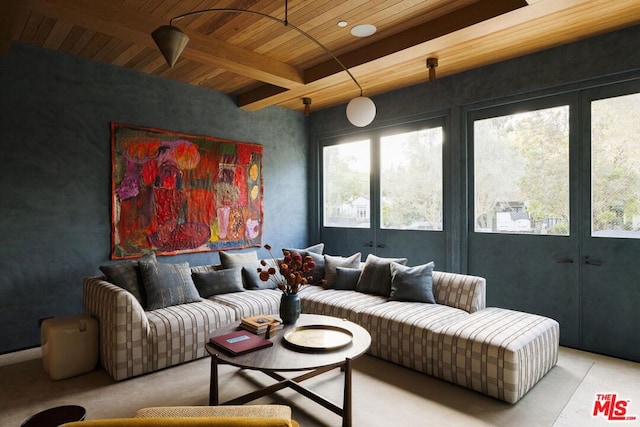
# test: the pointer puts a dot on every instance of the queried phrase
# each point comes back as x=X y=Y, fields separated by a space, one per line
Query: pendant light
x=171 y=41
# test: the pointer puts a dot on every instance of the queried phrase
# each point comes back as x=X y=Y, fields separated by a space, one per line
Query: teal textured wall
x=55 y=229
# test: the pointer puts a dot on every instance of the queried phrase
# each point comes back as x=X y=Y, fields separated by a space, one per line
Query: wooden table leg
x=213 y=384
x=346 y=404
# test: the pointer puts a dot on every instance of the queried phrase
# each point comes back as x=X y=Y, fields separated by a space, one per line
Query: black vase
x=289 y=309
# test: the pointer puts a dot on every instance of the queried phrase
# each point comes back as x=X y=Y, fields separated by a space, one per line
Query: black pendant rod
x=285 y=22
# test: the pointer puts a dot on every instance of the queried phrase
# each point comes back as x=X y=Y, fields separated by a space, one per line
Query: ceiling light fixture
x=363 y=30
x=432 y=64
x=171 y=41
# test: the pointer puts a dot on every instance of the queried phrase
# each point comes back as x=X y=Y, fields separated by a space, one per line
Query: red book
x=240 y=342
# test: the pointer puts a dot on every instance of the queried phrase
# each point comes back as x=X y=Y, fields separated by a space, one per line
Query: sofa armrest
x=123 y=326
x=461 y=291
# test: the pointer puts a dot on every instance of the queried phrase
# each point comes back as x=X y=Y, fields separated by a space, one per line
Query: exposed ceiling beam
x=495 y=30
x=128 y=24
x=446 y=24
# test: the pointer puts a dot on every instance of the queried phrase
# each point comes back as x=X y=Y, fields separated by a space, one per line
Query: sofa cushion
x=218 y=282
x=499 y=352
x=347 y=278
x=412 y=283
x=332 y=262
x=341 y=304
x=405 y=331
x=126 y=275
x=248 y=261
x=376 y=275
x=251 y=302
x=167 y=284
x=178 y=333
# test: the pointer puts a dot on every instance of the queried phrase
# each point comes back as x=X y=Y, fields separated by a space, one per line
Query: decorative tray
x=318 y=337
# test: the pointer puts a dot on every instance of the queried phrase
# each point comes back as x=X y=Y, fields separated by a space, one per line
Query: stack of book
x=260 y=324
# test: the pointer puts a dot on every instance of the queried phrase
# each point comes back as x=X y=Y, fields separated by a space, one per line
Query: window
x=615 y=167
x=346 y=184
x=521 y=173
x=411 y=180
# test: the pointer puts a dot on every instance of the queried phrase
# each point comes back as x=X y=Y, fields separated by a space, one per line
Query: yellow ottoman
x=69 y=346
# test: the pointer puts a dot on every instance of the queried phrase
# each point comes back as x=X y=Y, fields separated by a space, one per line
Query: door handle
x=380 y=246
x=368 y=245
x=589 y=261
x=564 y=260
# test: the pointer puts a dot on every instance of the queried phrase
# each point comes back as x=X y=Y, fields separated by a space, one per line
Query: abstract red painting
x=176 y=193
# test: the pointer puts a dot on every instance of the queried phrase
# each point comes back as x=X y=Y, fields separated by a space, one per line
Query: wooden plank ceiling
x=262 y=62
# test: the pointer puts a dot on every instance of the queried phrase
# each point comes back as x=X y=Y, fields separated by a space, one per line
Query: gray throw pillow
x=347 y=278
x=412 y=283
x=218 y=282
x=168 y=284
x=376 y=275
x=248 y=261
x=126 y=275
x=317 y=273
x=315 y=252
x=318 y=249
x=331 y=263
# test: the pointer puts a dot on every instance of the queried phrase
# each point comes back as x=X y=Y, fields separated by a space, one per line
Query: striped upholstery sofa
x=497 y=352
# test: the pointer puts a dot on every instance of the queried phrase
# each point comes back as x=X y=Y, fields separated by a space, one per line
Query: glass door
x=346 y=197
x=522 y=230
x=382 y=193
x=610 y=279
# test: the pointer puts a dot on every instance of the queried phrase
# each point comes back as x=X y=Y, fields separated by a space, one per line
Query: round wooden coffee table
x=282 y=357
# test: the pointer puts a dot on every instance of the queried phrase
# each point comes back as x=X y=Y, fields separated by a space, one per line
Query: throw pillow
x=331 y=263
x=248 y=261
x=412 y=283
x=251 y=280
x=168 y=284
x=317 y=273
x=347 y=278
x=315 y=252
x=376 y=275
x=127 y=276
x=318 y=249
x=218 y=282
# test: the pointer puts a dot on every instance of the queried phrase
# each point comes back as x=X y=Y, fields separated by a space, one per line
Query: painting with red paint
x=176 y=193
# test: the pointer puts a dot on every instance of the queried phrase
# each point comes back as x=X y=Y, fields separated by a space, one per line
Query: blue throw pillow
x=127 y=276
x=315 y=252
x=412 y=283
x=347 y=278
x=168 y=284
x=218 y=282
x=376 y=275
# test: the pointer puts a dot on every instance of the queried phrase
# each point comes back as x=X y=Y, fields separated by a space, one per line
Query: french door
x=382 y=193
x=610 y=245
x=554 y=213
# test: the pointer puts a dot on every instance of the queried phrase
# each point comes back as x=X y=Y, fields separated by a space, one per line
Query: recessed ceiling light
x=363 y=30
x=342 y=24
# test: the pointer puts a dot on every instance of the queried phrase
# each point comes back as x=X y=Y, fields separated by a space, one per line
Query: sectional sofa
x=498 y=352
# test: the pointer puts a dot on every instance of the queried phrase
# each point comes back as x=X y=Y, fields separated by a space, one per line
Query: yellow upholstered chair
x=196 y=416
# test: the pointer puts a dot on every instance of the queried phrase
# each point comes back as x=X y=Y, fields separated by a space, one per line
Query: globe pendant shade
x=361 y=111
x=171 y=41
